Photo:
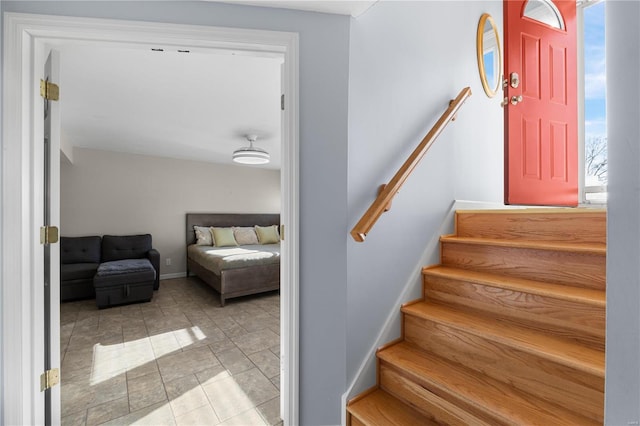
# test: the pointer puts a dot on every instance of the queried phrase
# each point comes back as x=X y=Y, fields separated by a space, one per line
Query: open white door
x=49 y=238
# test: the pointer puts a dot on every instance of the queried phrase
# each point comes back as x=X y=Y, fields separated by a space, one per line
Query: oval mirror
x=489 y=55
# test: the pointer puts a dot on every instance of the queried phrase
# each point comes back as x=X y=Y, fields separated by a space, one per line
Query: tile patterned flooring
x=180 y=359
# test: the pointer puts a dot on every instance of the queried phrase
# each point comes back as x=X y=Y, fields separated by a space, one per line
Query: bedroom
x=130 y=176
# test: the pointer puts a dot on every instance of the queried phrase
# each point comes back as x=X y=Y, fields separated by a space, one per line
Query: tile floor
x=180 y=359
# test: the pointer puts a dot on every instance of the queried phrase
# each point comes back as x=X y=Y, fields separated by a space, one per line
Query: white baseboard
x=171 y=276
x=481 y=205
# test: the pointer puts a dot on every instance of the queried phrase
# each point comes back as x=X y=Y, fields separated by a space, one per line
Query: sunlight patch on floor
x=111 y=360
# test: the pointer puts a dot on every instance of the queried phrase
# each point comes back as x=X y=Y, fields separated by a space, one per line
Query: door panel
x=541 y=134
x=51 y=216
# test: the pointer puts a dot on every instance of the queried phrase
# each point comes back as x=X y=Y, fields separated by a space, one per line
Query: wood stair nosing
x=557 y=246
x=380 y=408
x=579 y=269
x=565 y=311
x=563 y=352
x=477 y=394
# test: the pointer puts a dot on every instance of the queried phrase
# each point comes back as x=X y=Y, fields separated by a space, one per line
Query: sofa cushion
x=77 y=271
x=80 y=249
x=125 y=247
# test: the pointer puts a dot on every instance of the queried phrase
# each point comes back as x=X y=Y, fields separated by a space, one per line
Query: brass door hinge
x=48 y=90
x=282 y=232
x=48 y=234
x=49 y=379
x=282 y=102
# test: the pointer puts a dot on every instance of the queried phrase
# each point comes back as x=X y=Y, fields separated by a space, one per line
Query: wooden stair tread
x=483 y=394
x=591 y=248
x=557 y=350
x=592 y=297
x=380 y=408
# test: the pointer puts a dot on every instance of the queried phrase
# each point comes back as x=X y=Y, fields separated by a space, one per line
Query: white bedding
x=218 y=259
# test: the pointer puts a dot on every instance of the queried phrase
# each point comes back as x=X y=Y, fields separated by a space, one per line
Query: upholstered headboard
x=228 y=219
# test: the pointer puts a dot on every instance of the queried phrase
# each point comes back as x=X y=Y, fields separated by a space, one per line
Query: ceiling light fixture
x=250 y=154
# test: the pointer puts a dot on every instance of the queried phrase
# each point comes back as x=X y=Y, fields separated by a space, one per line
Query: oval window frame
x=490 y=91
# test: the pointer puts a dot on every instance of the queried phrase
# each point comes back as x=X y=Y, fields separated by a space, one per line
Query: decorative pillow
x=245 y=235
x=223 y=237
x=203 y=236
x=267 y=234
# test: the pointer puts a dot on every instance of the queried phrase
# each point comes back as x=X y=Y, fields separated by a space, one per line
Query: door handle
x=515 y=100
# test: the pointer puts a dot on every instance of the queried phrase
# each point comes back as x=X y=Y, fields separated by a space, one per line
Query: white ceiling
x=196 y=105
x=339 y=7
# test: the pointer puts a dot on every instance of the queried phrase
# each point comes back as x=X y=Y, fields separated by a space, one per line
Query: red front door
x=541 y=126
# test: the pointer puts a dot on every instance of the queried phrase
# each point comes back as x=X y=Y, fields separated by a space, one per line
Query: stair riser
x=426 y=399
x=585 y=270
x=559 y=384
x=582 y=322
x=590 y=227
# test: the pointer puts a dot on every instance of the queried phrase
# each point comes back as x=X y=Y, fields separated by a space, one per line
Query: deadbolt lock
x=514 y=80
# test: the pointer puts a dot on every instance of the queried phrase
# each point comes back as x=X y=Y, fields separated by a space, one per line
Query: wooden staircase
x=510 y=330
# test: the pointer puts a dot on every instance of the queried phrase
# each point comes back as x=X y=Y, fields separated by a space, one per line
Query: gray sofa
x=113 y=269
x=79 y=261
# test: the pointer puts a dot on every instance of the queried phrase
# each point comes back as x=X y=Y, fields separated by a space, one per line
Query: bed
x=234 y=271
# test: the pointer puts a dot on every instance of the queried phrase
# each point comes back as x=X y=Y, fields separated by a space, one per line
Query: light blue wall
x=407 y=60
x=324 y=50
x=622 y=393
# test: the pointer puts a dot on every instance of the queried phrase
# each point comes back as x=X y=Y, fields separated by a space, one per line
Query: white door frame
x=25 y=35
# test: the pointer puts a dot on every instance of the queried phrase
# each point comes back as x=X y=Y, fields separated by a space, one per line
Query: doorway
x=592 y=82
x=541 y=126
x=27 y=42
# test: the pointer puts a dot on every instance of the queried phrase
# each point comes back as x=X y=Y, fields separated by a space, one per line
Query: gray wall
x=622 y=393
x=114 y=193
x=407 y=60
x=324 y=67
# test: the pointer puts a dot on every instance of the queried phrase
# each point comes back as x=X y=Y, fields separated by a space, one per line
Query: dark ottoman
x=124 y=281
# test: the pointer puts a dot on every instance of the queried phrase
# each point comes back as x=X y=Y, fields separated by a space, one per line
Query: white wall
x=324 y=67
x=622 y=392
x=408 y=59
x=106 y=192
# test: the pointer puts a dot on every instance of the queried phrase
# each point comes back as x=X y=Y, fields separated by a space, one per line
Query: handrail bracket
x=380 y=189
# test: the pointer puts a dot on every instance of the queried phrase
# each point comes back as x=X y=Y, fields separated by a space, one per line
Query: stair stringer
x=366 y=375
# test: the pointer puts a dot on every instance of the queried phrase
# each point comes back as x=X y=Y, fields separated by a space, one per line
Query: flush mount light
x=250 y=154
